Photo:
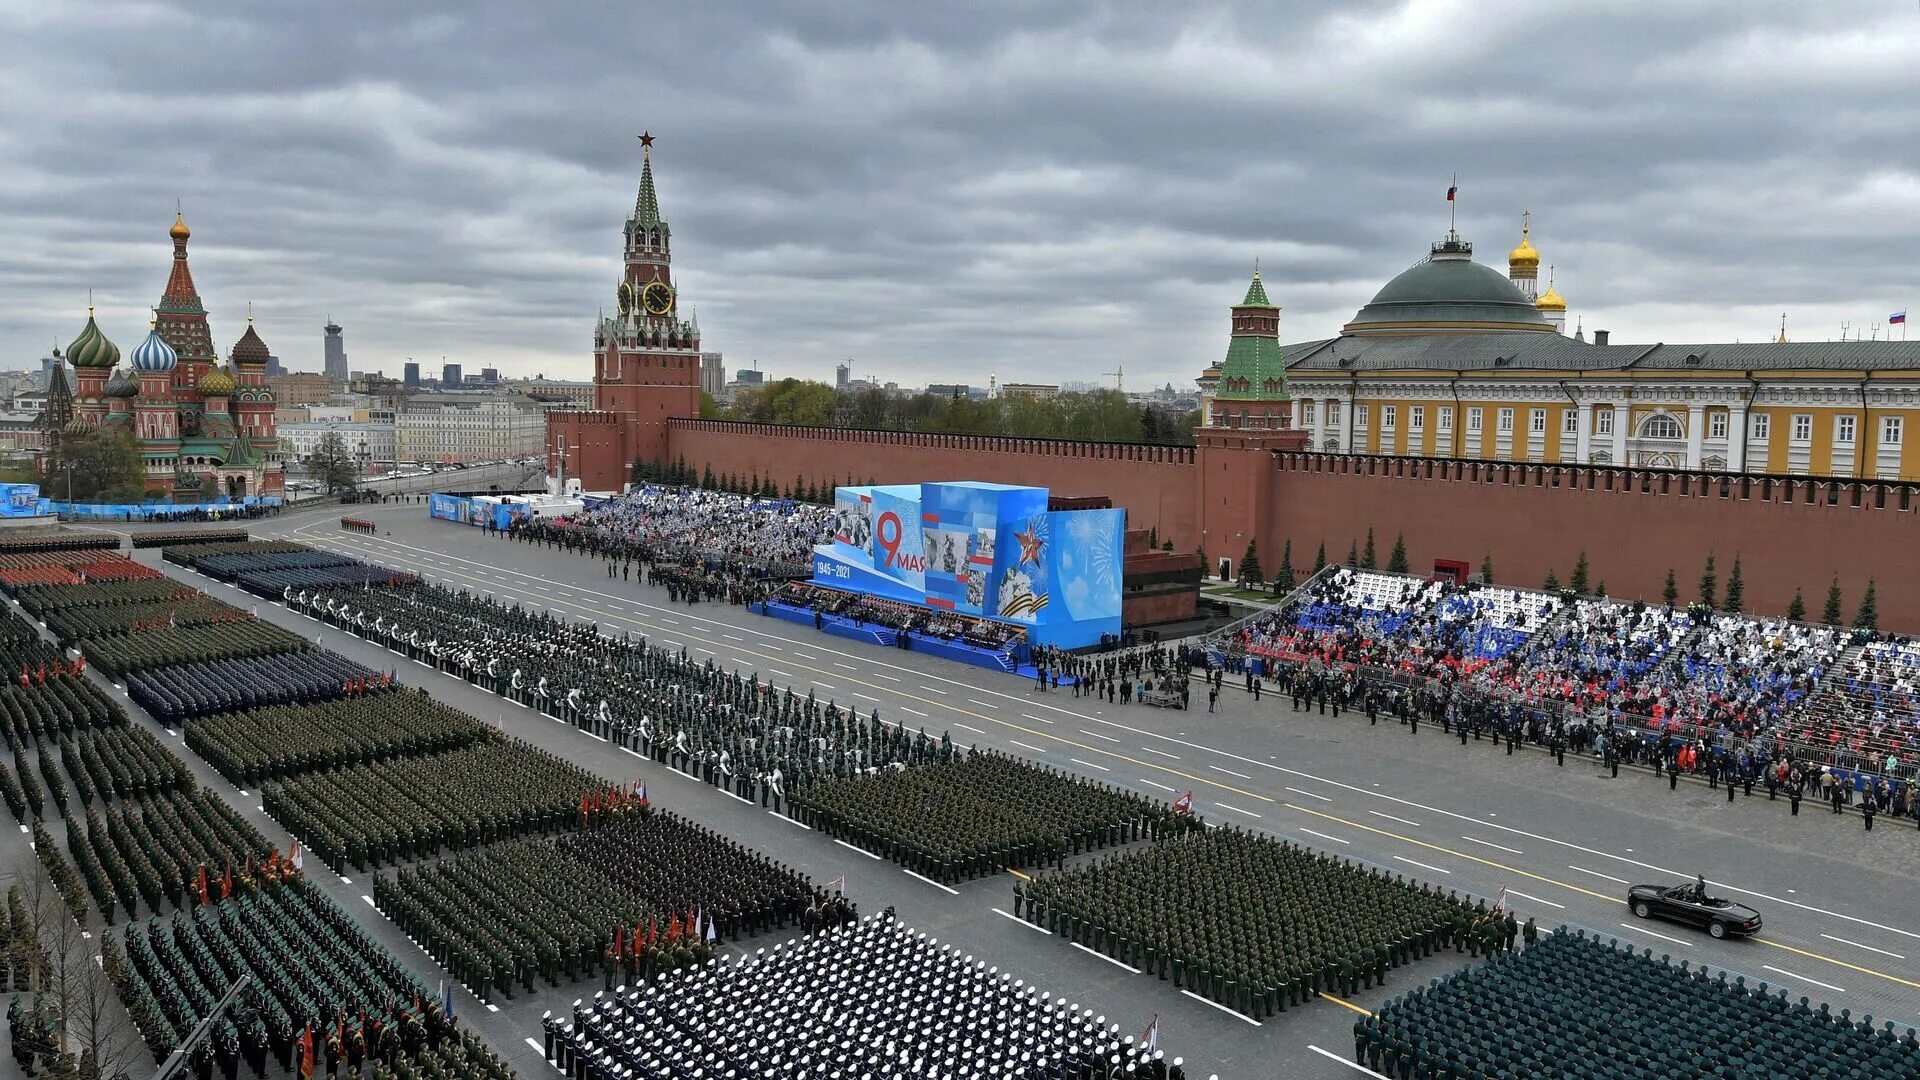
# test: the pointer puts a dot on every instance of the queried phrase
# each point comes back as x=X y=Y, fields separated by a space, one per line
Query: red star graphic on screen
x=1030 y=544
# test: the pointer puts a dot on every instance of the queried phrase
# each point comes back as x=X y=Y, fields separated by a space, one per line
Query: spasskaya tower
x=646 y=360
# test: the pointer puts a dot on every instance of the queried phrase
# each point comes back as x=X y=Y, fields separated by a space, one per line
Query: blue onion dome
x=122 y=384
x=153 y=354
x=92 y=349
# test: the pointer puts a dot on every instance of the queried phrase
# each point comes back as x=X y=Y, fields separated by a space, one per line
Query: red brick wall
x=1153 y=484
x=1631 y=536
x=596 y=449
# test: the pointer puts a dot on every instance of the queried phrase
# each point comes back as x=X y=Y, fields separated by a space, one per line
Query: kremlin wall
x=1453 y=410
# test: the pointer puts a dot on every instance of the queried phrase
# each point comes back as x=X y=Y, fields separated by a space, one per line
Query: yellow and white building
x=1451 y=359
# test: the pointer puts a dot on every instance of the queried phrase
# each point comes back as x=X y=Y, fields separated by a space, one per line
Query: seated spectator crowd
x=909 y=618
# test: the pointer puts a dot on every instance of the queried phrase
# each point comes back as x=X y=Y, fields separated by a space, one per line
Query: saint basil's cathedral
x=205 y=432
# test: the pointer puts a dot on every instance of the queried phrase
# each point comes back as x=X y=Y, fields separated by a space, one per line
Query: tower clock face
x=657 y=297
x=626 y=297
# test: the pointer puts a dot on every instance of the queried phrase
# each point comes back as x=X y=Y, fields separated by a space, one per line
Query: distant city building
x=450 y=377
x=468 y=426
x=950 y=390
x=411 y=374
x=365 y=441
x=490 y=376
x=275 y=367
x=842 y=373
x=713 y=373
x=1037 y=391
x=750 y=377
x=336 y=353
x=565 y=393
x=301 y=388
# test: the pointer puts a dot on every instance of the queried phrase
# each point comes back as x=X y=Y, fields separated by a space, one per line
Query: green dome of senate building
x=1449 y=293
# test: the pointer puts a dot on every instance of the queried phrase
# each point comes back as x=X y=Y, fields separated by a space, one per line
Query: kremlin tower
x=205 y=435
x=1523 y=269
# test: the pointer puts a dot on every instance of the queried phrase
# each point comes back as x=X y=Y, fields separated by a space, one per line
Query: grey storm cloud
x=946 y=191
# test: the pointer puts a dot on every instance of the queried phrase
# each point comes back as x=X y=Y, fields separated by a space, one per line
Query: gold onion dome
x=1526 y=254
x=1550 y=301
x=216 y=383
x=92 y=349
x=179 y=231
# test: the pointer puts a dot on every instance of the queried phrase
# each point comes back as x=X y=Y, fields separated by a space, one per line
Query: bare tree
x=64 y=961
x=100 y=1025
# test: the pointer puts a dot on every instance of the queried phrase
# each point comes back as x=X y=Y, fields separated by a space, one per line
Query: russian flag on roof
x=1897 y=317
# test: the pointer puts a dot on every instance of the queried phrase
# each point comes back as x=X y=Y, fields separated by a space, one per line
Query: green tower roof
x=1254 y=369
x=1257 y=293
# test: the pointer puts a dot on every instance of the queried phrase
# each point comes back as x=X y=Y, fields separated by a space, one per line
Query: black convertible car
x=1692 y=904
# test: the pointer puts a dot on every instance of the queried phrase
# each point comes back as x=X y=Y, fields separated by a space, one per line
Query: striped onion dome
x=92 y=349
x=122 y=384
x=216 y=383
x=153 y=354
x=77 y=426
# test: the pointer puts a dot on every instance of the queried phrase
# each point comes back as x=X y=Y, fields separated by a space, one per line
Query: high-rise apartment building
x=336 y=353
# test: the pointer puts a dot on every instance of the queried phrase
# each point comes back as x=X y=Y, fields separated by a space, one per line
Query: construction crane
x=1119 y=378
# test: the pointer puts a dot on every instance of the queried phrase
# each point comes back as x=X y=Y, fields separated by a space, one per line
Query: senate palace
x=1452 y=359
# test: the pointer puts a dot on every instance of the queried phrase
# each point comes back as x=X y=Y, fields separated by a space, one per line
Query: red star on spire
x=646 y=140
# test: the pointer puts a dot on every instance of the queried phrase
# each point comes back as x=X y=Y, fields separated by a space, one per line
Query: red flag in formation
x=306 y=1053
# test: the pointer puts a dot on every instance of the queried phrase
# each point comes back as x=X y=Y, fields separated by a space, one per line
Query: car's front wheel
x=1641 y=909
x=1717 y=929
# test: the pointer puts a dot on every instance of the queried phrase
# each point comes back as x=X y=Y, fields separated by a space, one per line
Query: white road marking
x=848 y=667
x=1327 y=1054
x=1401 y=820
x=1221 y=1007
x=1024 y=746
x=538 y=1047
x=983 y=704
x=1423 y=866
x=1598 y=874
x=782 y=674
x=1857 y=945
x=1104 y=956
x=867 y=697
x=1097 y=735
x=890 y=678
x=965 y=727
x=930 y=689
x=804 y=655
x=850 y=847
x=732 y=637
x=1089 y=764
x=1162 y=753
x=1235 y=809
x=929 y=881
x=369 y=900
x=824 y=685
x=1309 y=794
x=1803 y=978
x=1638 y=929
x=1324 y=836
x=1491 y=844
x=1022 y=922
x=1230 y=772
x=1162 y=787
x=915 y=712
x=803 y=824
x=1535 y=899
x=1041 y=719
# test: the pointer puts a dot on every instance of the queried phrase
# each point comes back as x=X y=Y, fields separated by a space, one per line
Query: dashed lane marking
x=790 y=821
x=1803 y=978
x=1643 y=930
x=1222 y=1008
x=1421 y=865
x=1108 y=738
x=1235 y=809
x=1150 y=783
x=862 y=851
x=1491 y=844
x=1535 y=899
x=1162 y=753
x=1309 y=794
x=986 y=704
x=1230 y=772
x=1022 y=746
x=929 y=881
x=915 y=712
x=967 y=727
x=1401 y=820
x=1324 y=836
x=1041 y=719
x=1021 y=921
x=1857 y=945
x=1089 y=764
x=1104 y=956
x=1330 y=1055
x=1598 y=874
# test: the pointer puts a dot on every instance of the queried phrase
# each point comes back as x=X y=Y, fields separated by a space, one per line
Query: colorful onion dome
x=216 y=383
x=250 y=349
x=122 y=384
x=77 y=426
x=92 y=349
x=153 y=354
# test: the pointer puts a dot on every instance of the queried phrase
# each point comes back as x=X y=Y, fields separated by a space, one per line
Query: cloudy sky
x=1043 y=191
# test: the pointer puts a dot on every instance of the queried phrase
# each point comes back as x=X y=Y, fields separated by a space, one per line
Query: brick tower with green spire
x=1252 y=392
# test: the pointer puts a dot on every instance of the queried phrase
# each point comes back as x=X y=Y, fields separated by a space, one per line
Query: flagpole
x=1453 y=202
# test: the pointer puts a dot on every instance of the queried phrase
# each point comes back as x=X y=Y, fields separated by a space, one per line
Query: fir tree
x=1397 y=562
x=1353 y=554
x=1552 y=584
x=1600 y=590
x=1797 y=611
x=1206 y=568
x=1709 y=585
x=1153 y=538
x=1486 y=568
x=1671 y=594
x=1250 y=565
x=1166 y=545
x=799 y=487
x=1736 y=589
x=706 y=478
x=1368 y=561
x=1832 y=616
x=1283 y=582
x=1578 y=582
x=1868 y=617
x=1320 y=558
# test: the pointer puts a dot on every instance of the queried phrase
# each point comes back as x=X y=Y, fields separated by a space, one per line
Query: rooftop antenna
x=1843 y=330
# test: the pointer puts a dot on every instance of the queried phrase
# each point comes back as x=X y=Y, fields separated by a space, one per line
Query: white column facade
x=1583 y=438
x=1622 y=421
x=1737 y=437
x=1696 y=431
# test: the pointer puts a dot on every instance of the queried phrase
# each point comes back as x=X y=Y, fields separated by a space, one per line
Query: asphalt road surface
x=1841 y=908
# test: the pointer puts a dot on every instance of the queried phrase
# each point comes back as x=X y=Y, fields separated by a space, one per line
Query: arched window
x=1660 y=426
